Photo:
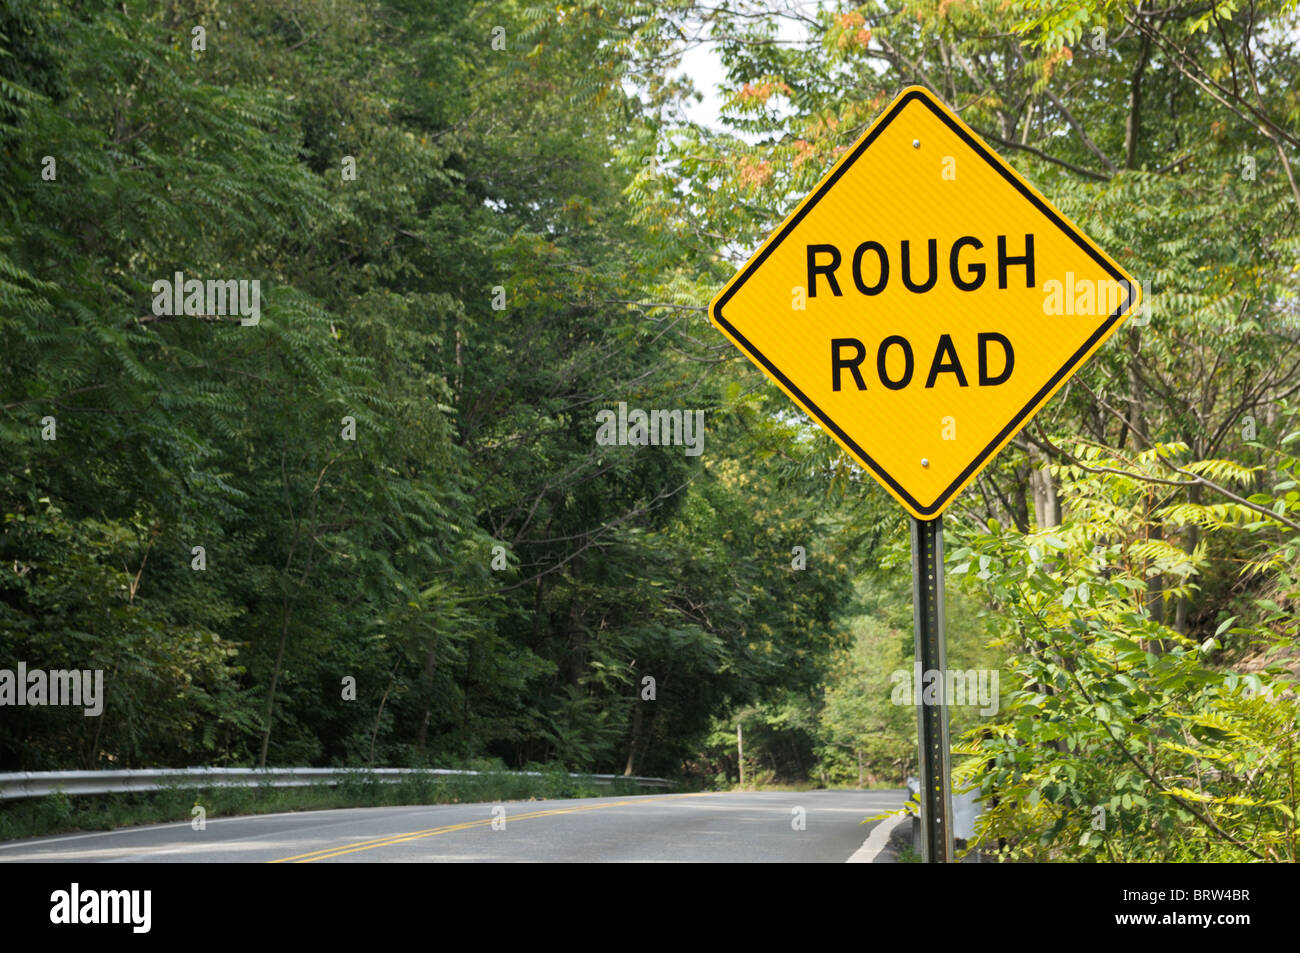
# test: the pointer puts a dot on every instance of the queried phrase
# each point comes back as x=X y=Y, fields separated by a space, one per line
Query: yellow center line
x=392 y=839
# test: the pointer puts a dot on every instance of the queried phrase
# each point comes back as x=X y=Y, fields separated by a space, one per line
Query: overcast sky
x=704 y=67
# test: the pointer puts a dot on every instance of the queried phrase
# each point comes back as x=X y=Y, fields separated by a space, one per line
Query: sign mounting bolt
x=916 y=143
x=925 y=461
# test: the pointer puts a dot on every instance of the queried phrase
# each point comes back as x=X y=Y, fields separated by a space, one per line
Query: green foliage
x=1158 y=750
x=369 y=559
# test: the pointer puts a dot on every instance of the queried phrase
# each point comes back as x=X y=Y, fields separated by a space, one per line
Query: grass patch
x=59 y=813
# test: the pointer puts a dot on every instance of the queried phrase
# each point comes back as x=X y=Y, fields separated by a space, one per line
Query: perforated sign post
x=921 y=304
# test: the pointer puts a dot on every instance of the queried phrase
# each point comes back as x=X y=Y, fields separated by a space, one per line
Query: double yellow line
x=328 y=852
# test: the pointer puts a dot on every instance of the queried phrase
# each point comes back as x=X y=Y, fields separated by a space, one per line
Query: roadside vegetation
x=376 y=527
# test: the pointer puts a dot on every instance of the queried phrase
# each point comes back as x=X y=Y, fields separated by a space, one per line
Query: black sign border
x=1020 y=418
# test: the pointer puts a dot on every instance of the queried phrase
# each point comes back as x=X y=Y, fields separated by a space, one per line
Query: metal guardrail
x=966 y=810
x=20 y=784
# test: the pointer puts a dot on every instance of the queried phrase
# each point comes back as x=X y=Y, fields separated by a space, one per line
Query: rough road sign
x=923 y=302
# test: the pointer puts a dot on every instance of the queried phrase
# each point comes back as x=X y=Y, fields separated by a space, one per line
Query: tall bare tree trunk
x=275 y=678
x=1047 y=511
x=1047 y=508
x=1192 y=537
x=630 y=768
x=426 y=684
x=740 y=752
x=1133 y=124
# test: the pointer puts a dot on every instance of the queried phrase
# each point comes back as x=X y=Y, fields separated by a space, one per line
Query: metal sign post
x=931 y=719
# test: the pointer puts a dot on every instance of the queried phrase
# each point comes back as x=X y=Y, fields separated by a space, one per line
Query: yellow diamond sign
x=923 y=302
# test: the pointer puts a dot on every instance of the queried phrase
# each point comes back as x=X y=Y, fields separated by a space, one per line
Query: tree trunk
x=740 y=753
x=630 y=768
x=1133 y=124
x=1047 y=508
x=1021 y=511
x=426 y=683
x=270 y=692
x=1192 y=537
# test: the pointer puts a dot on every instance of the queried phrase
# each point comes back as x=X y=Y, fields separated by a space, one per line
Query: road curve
x=744 y=827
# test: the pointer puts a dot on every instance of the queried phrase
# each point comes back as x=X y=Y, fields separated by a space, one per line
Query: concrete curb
x=876 y=841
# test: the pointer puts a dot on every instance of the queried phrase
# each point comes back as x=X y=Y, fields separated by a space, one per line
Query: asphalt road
x=742 y=827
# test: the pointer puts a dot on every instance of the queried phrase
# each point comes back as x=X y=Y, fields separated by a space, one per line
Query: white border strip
x=876 y=841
